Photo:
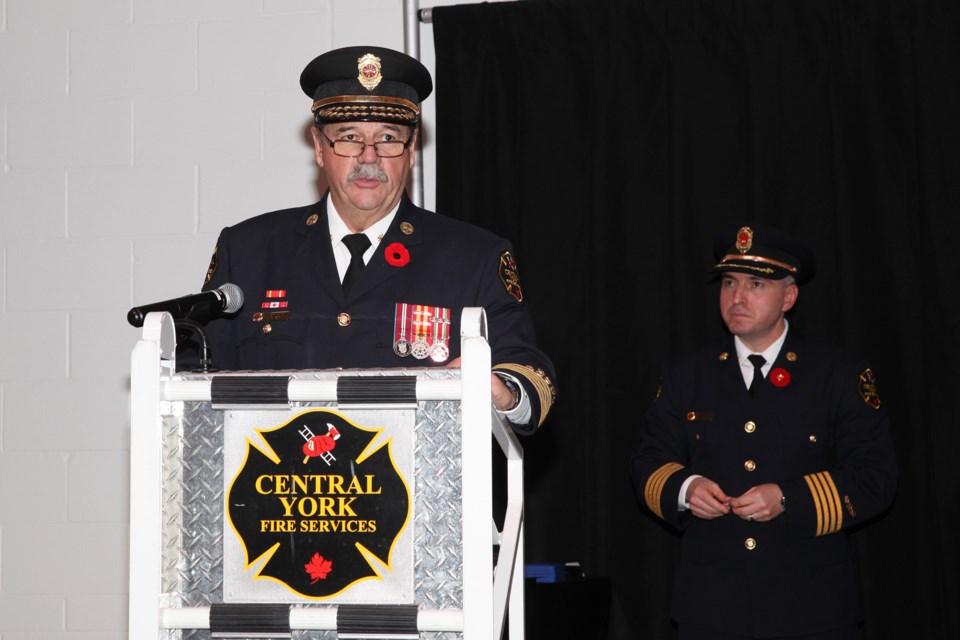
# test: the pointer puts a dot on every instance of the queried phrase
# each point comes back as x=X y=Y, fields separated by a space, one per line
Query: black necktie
x=357 y=243
x=758 y=363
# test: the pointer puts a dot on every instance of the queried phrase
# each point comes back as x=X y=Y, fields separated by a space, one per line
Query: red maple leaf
x=318 y=567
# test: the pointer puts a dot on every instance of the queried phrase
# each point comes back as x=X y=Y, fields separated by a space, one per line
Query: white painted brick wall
x=47 y=132
x=61 y=15
x=68 y=274
x=130 y=202
x=133 y=60
x=131 y=132
x=33 y=204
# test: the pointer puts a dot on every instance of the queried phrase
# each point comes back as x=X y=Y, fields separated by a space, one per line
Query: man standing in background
x=763 y=451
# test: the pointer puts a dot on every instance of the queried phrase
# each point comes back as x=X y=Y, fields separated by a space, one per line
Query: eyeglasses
x=354 y=148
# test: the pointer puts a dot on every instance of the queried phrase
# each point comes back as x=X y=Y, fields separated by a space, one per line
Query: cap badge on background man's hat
x=764 y=252
x=744 y=239
x=369 y=75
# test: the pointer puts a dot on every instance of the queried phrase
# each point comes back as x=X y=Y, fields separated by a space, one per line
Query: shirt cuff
x=682 y=504
x=521 y=413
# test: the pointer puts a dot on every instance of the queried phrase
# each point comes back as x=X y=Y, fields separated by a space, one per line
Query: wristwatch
x=514 y=387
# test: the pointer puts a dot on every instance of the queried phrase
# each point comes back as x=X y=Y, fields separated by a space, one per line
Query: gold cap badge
x=368 y=68
x=744 y=239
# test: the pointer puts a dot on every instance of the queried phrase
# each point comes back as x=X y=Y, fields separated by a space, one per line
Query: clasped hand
x=708 y=501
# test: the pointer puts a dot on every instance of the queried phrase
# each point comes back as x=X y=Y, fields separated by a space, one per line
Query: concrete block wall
x=131 y=132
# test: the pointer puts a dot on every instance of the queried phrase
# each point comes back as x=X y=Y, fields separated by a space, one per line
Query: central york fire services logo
x=317 y=503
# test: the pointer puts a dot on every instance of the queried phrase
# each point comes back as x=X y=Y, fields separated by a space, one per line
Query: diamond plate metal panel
x=193 y=505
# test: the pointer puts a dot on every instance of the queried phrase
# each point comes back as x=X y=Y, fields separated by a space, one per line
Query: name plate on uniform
x=318 y=506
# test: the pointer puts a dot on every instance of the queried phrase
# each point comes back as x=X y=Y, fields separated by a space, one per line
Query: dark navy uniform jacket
x=451 y=264
x=817 y=428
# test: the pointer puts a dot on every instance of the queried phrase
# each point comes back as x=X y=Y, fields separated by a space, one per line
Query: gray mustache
x=367 y=172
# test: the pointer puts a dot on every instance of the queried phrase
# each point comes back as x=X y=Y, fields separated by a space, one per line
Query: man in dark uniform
x=764 y=450
x=363 y=278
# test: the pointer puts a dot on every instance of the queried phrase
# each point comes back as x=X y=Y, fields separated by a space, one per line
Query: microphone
x=204 y=306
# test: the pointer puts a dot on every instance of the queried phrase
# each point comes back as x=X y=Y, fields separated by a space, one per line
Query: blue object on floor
x=546 y=572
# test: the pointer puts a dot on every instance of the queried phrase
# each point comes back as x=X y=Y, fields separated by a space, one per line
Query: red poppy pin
x=396 y=255
x=779 y=377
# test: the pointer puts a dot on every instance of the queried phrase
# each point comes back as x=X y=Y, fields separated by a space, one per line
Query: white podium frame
x=155 y=389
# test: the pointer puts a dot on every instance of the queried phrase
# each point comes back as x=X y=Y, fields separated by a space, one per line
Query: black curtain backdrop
x=610 y=140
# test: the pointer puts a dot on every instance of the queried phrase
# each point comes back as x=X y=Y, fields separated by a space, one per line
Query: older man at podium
x=364 y=278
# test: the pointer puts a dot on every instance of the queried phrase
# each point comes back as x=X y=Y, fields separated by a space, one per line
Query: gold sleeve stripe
x=817 y=503
x=835 y=503
x=826 y=501
x=834 y=511
x=540 y=382
x=655 y=483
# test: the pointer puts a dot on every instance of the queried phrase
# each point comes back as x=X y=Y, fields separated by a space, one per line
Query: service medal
x=439 y=352
x=402 y=347
x=422 y=321
x=402 y=319
x=421 y=348
x=422 y=331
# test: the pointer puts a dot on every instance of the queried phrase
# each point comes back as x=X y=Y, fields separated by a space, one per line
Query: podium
x=322 y=504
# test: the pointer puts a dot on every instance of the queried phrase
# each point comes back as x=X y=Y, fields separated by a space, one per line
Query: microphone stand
x=204 y=353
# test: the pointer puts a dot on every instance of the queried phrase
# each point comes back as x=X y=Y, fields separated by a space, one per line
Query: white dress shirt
x=339 y=229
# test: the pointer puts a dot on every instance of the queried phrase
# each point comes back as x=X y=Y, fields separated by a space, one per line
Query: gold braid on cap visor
x=345 y=107
x=733 y=257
